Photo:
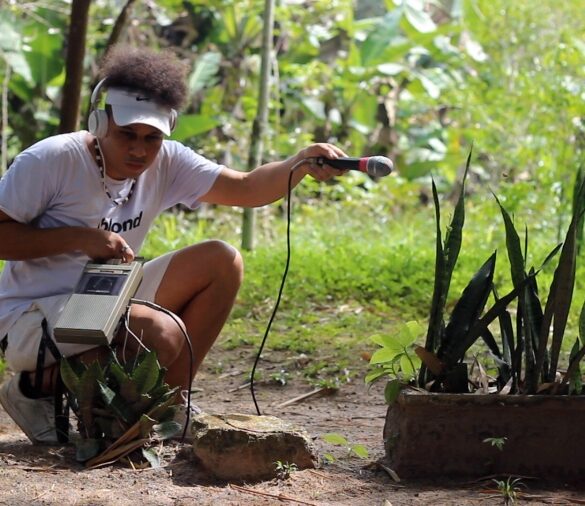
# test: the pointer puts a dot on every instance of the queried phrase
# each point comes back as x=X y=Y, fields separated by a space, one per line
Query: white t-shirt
x=56 y=183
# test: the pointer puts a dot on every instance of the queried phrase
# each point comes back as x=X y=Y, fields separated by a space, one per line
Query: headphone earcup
x=97 y=123
x=173 y=120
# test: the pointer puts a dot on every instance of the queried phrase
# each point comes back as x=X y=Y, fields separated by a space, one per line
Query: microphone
x=377 y=166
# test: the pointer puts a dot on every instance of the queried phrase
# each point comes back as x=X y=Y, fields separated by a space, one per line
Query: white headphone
x=97 y=123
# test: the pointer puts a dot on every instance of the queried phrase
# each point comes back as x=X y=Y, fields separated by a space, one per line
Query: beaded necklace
x=100 y=163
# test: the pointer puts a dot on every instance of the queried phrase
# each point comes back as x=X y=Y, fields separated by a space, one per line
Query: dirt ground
x=50 y=475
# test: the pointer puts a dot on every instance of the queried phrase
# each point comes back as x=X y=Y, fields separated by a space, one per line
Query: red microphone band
x=363 y=166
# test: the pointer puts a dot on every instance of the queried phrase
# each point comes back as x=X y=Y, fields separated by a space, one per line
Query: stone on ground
x=238 y=447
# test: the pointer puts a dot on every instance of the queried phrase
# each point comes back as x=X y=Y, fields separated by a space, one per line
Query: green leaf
x=205 y=72
x=118 y=373
x=192 y=125
x=418 y=17
x=384 y=356
x=329 y=458
x=360 y=450
x=391 y=391
x=406 y=366
x=107 y=393
x=152 y=457
x=374 y=375
x=87 y=449
x=147 y=372
x=409 y=333
x=335 y=439
x=167 y=430
x=380 y=37
x=70 y=379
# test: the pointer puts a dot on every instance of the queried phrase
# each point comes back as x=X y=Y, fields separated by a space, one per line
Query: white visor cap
x=131 y=106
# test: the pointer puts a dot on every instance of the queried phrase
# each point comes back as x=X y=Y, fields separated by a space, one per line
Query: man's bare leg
x=199 y=287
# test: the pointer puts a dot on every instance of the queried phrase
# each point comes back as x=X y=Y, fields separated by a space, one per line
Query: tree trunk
x=259 y=126
x=69 y=120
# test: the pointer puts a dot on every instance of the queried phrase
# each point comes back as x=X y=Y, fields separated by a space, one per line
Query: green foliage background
x=416 y=81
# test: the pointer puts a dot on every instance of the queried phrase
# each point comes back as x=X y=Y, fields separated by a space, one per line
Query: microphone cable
x=283 y=280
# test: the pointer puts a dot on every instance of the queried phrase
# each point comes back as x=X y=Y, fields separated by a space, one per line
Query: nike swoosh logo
x=142 y=99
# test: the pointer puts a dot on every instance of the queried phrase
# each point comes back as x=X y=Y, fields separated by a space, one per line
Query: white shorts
x=25 y=335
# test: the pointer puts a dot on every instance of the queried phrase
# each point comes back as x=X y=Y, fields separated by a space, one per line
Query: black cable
x=190 y=346
x=288 y=213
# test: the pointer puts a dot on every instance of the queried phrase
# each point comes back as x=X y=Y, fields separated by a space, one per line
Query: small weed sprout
x=285 y=469
x=509 y=489
x=280 y=377
x=352 y=450
x=498 y=442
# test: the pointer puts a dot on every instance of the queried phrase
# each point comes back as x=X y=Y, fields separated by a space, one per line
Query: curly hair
x=158 y=74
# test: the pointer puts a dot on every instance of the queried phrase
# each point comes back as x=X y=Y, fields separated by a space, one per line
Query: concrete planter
x=431 y=435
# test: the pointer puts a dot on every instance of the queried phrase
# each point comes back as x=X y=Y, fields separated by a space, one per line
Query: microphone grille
x=379 y=166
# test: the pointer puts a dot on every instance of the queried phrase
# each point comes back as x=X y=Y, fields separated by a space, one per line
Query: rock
x=238 y=447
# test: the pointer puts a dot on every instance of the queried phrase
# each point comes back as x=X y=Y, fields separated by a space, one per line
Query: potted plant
x=445 y=410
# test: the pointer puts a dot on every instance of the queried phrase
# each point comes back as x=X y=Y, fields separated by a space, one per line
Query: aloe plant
x=120 y=407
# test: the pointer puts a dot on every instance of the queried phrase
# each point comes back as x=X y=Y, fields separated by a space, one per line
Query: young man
x=93 y=195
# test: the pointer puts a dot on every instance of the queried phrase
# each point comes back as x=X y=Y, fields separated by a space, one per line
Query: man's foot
x=36 y=417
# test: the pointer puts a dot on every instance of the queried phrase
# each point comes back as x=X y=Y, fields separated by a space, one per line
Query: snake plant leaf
x=129 y=390
x=152 y=457
x=575 y=382
x=582 y=324
x=87 y=449
x=565 y=282
x=491 y=343
x=533 y=317
x=145 y=424
x=115 y=403
x=436 y=321
x=517 y=264
x=118 y=373
x=480 y=325
x=167 y=430
x=467 y=311
x=69 y=377
x=87 y=393
x=455 y=230
x=107 y=393
x=164 y=410
x=143 y=404
x=507 y=335
x=146 y=373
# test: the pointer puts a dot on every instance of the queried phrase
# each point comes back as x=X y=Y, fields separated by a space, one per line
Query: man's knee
x=226 y=261
x=157 y=331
